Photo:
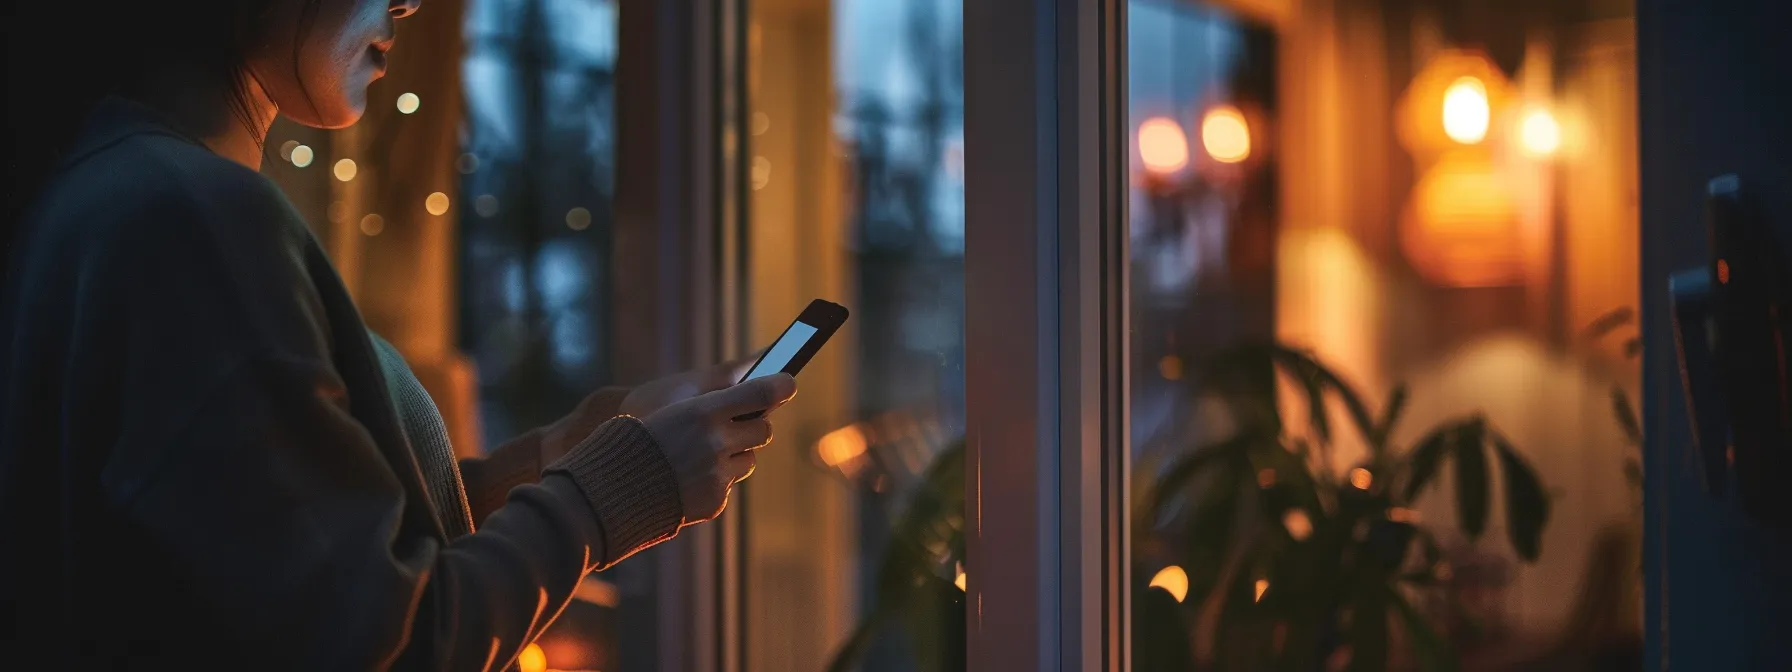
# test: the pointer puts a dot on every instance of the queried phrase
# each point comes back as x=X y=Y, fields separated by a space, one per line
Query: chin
x=341 y=112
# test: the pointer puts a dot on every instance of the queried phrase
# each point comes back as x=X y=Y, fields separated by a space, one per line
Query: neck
x=203 y=108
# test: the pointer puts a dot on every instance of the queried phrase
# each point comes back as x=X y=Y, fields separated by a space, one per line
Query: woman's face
x=317 y=68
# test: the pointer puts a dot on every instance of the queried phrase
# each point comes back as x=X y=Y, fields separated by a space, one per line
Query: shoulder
x=170 y=229
x=153 y=190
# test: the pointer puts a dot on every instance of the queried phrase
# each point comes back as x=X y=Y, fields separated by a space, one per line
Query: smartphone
x=799 y=343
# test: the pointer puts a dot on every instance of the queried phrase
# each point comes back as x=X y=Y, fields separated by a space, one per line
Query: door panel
x=1713 y=101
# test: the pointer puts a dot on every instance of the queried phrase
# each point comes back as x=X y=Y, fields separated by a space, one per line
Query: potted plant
x=1287 y=564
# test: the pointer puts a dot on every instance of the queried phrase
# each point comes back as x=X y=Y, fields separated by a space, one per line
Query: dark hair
x=64 y=56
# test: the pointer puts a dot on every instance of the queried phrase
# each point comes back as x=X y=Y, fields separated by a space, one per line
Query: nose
x=403 y=8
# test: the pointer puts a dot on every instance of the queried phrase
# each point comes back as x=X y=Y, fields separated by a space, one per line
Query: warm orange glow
x=1162 y=145
x=960 y=579
x=1538 y=133
x=1266 y=478
x=345 y=170
x=532 y=659
x=841 y=445
x=436 y=203
x=1723 y=272
x=1170 y=367
x=1466 y=110
x=1451 y=103
x=1461 y=227
x=372 y=225
x=762 y=172
x=1403 y=515
x=1298 y=524
x=1262 y=587
x=1226 y=135
x=1361 y=478
x=1173 y=581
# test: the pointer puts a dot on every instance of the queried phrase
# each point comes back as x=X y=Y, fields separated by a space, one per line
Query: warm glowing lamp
x=1163 y=146
x=1173 y=580
x=1451 y=103
x=1225 y=134
x=1461 y=226
x=1466 y=112
x=1539 y=135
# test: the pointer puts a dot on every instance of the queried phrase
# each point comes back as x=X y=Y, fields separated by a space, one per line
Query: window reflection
x=1354 y=271
x=857 y=123
x=537 y=168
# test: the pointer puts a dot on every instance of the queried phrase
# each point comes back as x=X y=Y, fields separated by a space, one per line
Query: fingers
x=753 y=396
x=748 y=435
x=741 y=465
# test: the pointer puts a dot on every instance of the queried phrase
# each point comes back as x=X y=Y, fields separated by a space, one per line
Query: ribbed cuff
x=629 y=483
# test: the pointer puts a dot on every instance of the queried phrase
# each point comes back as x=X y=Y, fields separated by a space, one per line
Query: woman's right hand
x=708 y=449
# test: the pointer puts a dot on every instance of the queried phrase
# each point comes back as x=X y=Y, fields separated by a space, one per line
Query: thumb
x=730 y=372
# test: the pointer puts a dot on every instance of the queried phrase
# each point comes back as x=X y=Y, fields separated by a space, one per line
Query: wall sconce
x=1451 y=103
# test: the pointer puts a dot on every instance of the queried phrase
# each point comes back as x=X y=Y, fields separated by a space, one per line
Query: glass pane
x=537 y=174
x=1381 y=365
x=854 y=520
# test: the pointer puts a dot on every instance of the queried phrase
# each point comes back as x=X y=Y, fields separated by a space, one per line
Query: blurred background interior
x=1427 y=204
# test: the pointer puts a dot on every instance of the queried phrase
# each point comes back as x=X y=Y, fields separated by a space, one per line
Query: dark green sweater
x=203 y=464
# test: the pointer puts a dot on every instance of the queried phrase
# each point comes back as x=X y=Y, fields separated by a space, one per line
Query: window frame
x=1045 y=326
x=1046 y=320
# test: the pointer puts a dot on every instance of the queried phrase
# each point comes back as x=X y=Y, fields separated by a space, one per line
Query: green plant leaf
x=1390 y=414
x=1472 y=486
x=1610 y=322
x=1426 y=456
x=1527 y=507
x=1433 y=652
x=1626 y=414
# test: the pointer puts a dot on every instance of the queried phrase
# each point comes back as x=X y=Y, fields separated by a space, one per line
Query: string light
x=301 y=156
x=762 y=172
x=372 y=225
x=1162 y=145
x=408 y=103
x=286 y=149
x=1226 y=135
x=345 y=170
x=1172 y=580
x=578 y=218
x=486 y=205
x=436 y=203
x=467 y=163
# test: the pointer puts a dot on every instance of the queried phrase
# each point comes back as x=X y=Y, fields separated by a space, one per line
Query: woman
x=206 y=459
